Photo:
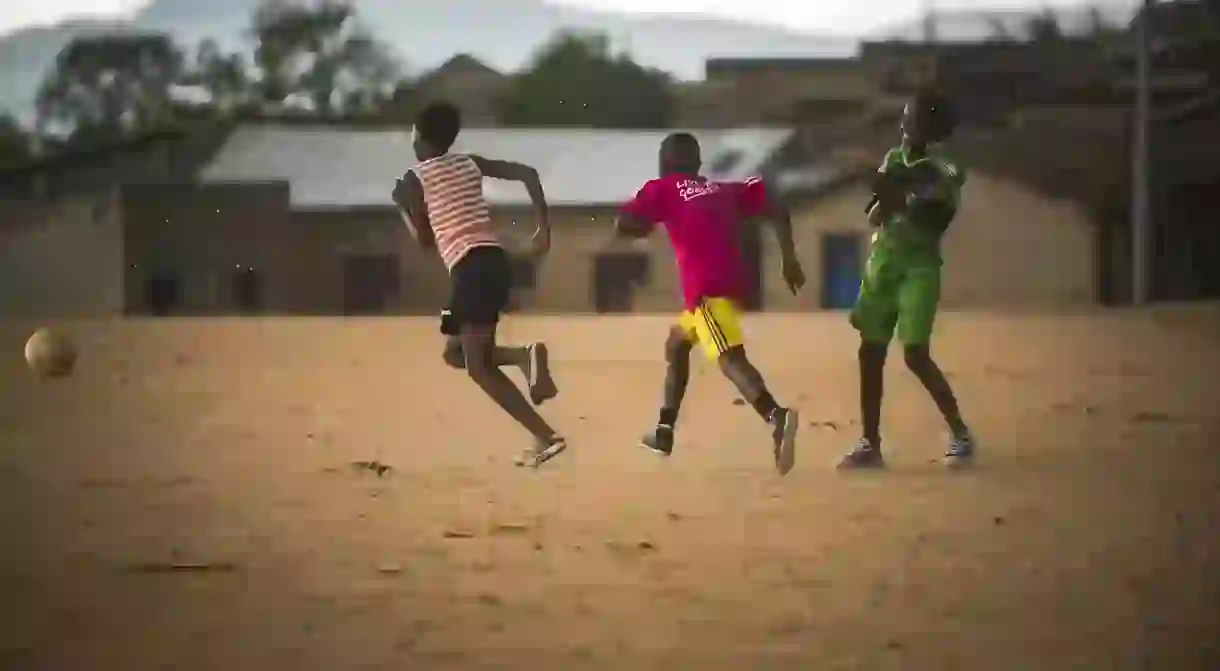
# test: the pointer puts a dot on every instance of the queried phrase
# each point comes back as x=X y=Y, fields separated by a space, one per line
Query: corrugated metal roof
x=334 y=168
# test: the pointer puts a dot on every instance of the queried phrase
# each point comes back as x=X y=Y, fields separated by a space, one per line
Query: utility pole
x=1141 y=210
x=929 y=22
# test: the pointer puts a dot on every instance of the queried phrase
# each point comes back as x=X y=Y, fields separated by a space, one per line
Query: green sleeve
x=893 y=158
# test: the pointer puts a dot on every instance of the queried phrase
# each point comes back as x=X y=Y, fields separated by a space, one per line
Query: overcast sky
x=843 y=17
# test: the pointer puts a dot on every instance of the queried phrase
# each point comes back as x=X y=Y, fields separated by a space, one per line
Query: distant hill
x=425 y=33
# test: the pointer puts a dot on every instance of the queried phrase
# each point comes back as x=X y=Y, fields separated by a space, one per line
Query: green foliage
x=109 y=85
x=223 y=76
x=14 y=142
x=575 y=81
x=1044 y=28
x=319 y=52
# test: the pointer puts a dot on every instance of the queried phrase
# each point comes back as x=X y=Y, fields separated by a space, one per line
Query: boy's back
x=453 y=193
x=703 y=219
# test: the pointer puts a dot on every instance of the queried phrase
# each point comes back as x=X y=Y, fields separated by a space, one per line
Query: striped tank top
x=453 y=192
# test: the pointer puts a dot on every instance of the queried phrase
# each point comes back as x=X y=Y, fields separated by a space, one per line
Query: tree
x=108 y=85
x=222 y=76
x=575 y=81
x=1097 y=26
x=1044 y=28
x=1103 y=32
x=15 y=146
x=320 y=52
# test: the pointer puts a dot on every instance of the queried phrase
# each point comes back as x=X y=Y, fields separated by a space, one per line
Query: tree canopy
x=575 y=81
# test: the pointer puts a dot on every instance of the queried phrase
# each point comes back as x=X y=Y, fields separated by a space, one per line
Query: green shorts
x=896 y=294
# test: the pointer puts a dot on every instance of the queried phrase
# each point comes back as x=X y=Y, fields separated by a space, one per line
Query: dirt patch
x=324 y=494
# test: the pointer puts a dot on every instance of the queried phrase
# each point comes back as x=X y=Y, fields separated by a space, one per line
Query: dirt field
x=1086 y=538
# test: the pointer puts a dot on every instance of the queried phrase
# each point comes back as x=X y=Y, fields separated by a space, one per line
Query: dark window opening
x=524 y=273
x=247 y=287
x=370 y=284
x=162 y=293
x=615 y=278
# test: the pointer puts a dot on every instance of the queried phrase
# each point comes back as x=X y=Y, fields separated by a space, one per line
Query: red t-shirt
x=703 y=219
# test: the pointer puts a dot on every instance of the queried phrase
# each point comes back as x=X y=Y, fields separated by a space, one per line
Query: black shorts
x=481 y=283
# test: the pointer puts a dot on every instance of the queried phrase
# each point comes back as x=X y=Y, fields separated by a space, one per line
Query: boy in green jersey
x=916 y=196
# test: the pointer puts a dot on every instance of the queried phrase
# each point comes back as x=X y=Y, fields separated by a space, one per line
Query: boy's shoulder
x=946 y=165
x=894 y=156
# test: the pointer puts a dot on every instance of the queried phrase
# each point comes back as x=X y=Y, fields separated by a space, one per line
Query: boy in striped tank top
x=441 y=199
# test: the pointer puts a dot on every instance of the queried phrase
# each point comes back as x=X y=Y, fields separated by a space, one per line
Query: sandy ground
x=1086 y=538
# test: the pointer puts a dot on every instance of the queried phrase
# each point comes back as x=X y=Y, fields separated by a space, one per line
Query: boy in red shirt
x=703 y=219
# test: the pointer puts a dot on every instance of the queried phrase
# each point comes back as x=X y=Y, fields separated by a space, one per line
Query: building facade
x=298 y=221
x=1010 y=247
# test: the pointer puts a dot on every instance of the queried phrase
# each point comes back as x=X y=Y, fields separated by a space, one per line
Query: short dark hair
x=439 y=124
x=683 y=144
x=938 y=110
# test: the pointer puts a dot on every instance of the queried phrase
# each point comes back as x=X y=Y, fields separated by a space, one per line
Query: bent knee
x=871 y=351
x=479 y=367
x=678 y=346
x=917 y=357
x=453 y=355
x=733 y=355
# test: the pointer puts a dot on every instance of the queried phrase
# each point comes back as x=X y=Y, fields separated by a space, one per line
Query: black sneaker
x=863 y=455
x=538 y=374
x=659 y=440
x=785 y=423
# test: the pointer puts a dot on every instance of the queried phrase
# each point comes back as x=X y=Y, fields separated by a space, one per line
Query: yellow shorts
x=715 y=324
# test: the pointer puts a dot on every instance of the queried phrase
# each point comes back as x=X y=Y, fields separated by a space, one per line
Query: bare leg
x=478 y=344
x=749 y=382
x=514 y=357
x=919 y=361
x=871 y=358
x=867 y=451
x=531 y=360
x=784 y=421
x=677 y=375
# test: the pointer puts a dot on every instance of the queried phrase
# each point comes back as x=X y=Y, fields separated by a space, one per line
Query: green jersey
x=914 y=233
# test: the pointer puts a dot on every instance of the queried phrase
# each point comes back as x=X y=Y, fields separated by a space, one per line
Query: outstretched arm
x=409 y=196
x=527 y=175
x=629 y=225
x=777 y=215
x=637 y=217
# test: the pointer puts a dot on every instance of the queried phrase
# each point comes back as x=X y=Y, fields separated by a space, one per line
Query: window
x=247 y=287
x=370 y=284
x=162 y=293
x=524 y=273
x=615 y=278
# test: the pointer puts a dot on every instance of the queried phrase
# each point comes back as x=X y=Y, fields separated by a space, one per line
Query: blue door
x=840 y=270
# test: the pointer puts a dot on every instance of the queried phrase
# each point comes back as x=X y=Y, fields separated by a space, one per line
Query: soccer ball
x=50 y=354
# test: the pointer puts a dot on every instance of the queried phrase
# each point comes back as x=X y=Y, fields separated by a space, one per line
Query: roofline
x=771 y=64
x=304 y=125
x=379 y=208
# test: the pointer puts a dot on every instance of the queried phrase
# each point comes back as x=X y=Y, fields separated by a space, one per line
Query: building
x=1011 y=245
x=782 y=91
x=468 y=83
x=61 y=229
x=319 y=234
x=298 y=220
